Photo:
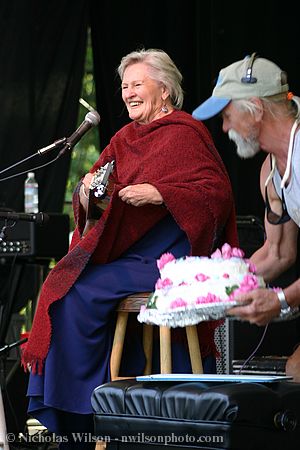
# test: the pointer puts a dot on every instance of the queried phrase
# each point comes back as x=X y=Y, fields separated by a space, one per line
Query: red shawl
x=176 y=154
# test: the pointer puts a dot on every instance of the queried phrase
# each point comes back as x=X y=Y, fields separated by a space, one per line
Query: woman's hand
x=85 y=189
x=141 y=194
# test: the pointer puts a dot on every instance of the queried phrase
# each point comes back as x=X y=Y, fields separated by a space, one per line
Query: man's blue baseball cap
x=250 y=77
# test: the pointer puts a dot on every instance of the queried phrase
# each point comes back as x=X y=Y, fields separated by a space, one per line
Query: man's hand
x=262 y=305
x=140 y=194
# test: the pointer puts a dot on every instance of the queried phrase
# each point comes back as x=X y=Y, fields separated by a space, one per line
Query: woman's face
x=143 y=96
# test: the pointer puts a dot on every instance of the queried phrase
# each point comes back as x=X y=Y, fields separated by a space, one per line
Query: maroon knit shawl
x=176 y=155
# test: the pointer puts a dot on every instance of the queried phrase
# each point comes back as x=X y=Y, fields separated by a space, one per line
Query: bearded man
x=259 y=113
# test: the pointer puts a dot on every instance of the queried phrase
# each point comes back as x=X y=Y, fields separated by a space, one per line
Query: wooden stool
x=132 y=304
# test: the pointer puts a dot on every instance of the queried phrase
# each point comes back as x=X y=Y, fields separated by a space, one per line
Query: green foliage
x=87 y=150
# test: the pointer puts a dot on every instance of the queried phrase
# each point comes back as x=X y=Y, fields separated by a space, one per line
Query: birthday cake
x=196 y=288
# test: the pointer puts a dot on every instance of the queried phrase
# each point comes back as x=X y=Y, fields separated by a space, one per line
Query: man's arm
x=279 y=251
x=276 y=255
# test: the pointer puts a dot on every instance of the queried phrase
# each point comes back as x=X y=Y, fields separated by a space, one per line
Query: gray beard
x=245 y=148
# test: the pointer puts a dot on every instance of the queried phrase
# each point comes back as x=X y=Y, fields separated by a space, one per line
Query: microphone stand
x=91 y=120
x=7 y=347
x=4 y=351
x=57 y=144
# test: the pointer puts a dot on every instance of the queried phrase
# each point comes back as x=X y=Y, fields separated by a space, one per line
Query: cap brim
x=210 y=108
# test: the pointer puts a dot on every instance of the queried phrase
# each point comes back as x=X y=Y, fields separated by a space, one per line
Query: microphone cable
x=254 y=351
x=31 y=170
x=92 y=119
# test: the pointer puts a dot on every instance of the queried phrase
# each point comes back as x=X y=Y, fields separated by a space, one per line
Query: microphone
x=38 y=218
x=55 y=144
x=91 y=120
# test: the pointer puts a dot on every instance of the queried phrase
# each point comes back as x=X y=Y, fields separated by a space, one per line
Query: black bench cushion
x=230 y=402
x=237 y=412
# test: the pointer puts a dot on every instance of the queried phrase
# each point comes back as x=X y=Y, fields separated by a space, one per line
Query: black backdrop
x=42 y=50
x=42 y=56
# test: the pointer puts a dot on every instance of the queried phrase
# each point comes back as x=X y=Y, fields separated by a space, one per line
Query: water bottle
x=31 y=194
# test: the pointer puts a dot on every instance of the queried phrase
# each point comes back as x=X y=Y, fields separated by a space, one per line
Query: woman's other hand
x=141 y=194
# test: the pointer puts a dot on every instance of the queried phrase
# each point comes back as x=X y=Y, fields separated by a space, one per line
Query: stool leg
x=118 y=343
x=194 y=348
x=165 y=350
x=148 y=347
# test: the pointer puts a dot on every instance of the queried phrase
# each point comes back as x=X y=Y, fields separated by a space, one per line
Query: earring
x=164 y=108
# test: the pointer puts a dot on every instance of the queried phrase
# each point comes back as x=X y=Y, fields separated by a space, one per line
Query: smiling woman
x=142 y=96
x=159 y=202
x=146 y=89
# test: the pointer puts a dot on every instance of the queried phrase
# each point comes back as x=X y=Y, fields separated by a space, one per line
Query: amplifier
x=264 y=365
x=29 y=239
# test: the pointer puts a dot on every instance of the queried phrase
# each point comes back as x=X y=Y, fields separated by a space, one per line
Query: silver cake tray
x=182 y=317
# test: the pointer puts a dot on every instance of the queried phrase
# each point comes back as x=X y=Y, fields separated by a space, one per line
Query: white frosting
x=189 y=282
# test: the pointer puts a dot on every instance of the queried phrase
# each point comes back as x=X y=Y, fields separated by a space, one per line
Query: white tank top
x=292 y=190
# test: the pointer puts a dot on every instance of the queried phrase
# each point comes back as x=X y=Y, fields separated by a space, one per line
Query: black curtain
x=201 y=37
x=42 y=58
x=42 y=53
x=168 y=25
x=237 y=30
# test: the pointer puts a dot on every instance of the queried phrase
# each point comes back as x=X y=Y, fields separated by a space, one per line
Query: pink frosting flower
x=225 y=275
x=232 y=295
x=201 y=277
x=252 y=267
x=160 y=284
x=216 y=254
x=179 y=302
x=164 y=259
x=237 y=252
x=226 y=251
x=210 y=298
x=248 y=283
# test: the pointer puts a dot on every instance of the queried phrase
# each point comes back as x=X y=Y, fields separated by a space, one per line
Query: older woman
x=171 y=194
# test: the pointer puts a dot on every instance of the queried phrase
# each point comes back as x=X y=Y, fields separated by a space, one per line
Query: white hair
x=162 y=69
x=277 y=105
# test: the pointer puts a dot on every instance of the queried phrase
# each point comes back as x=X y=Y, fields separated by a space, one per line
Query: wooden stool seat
x=132 y=304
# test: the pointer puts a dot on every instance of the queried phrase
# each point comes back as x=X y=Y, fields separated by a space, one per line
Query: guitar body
x=99 y=196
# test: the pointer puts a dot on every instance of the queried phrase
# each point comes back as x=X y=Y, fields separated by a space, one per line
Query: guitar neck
x=97 y=197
